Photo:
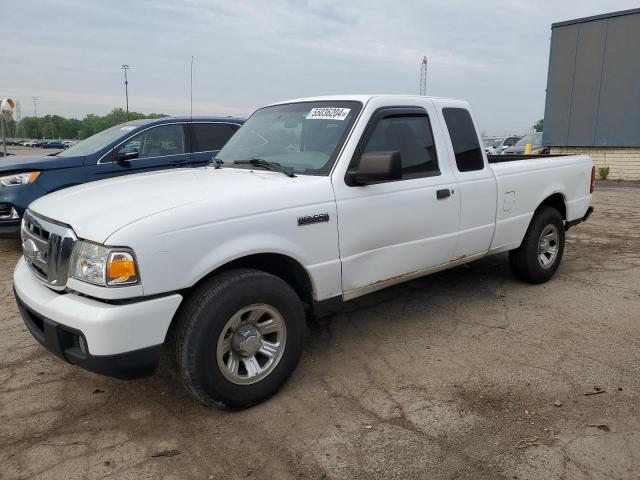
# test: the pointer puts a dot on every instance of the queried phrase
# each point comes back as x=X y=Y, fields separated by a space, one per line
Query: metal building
x=593 y=90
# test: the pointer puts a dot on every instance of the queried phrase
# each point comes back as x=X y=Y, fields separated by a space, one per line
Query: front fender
x=180 y=258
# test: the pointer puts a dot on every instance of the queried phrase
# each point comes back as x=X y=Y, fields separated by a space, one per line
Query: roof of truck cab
x=359 y=98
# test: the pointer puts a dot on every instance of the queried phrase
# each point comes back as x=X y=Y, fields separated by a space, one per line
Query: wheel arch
x=283 y=266
x=555 y=200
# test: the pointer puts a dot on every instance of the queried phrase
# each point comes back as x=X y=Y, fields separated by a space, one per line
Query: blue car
x=132 y=147
x=55 y=144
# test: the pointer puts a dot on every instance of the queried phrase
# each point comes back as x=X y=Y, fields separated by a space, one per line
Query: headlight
x=19 y=179
x=104 y=266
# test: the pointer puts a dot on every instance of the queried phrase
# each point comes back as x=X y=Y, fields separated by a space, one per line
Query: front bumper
x=119 y=340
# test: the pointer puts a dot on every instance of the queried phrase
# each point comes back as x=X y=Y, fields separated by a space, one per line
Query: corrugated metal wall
x=593 y=85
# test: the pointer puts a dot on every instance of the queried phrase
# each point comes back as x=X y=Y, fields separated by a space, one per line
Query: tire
x=526 y=262
x=223 y=315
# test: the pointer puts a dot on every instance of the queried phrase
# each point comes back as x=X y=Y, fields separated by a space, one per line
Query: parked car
x=133 y=147
x=55 y=144
x=313 y=202
x=497 y=145
x=534 y=139
x=490 y=144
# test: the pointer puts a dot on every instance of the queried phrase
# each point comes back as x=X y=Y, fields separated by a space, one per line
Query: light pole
x=423 y=76
x=126 y=87
x=35 y=110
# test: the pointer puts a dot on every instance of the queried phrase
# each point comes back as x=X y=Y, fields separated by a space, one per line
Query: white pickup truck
x=312 y=202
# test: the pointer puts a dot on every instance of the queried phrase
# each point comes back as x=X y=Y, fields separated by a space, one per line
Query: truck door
x=391 y=229
x=156 y=148
x=477 y=184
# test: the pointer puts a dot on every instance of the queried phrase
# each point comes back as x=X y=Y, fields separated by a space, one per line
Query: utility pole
x=18 y=120
x=4 y=139
x=423 y=76
x=35 y=110
x=126 y=67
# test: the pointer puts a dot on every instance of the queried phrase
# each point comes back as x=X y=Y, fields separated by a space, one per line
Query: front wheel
x=239 y=337
x=540 y=254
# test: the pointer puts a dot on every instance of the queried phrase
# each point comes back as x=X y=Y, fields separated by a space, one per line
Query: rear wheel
x=540 y=254
x=239 y=338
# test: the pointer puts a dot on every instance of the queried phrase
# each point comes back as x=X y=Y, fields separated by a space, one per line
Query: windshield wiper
x=273 y=166
x=216 y=162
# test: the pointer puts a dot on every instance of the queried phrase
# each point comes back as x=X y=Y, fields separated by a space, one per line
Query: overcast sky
x=492 y=53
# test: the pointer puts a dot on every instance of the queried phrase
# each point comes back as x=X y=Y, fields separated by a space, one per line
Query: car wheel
x=239 y=337
x=540 y=254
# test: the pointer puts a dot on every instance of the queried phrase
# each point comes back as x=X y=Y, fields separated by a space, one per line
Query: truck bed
x=524 y=179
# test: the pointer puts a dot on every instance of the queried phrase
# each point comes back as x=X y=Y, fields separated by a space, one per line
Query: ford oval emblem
x=30 y=249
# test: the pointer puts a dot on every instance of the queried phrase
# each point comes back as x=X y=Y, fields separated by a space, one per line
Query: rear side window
x=464 y=139
x=411 y=136
x=210 y=136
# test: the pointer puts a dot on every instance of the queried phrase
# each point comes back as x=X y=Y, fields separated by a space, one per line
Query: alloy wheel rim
x=548 y=246
x=251 y=344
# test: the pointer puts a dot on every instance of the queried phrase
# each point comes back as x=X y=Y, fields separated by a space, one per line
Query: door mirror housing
x=377 y=167
x=127 y=154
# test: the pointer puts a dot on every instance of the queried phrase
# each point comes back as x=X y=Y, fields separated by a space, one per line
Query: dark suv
x=132 y=147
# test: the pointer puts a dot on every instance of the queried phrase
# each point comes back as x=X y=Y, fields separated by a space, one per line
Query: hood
x=20 y=163
x=98 y=209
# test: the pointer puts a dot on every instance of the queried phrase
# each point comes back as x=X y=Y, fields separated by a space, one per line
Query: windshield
x=305 y=137
x=492 y=142
x=98 y=141
x=534 y=140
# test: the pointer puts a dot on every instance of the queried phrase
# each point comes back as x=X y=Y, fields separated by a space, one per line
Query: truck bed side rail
x=513 y=158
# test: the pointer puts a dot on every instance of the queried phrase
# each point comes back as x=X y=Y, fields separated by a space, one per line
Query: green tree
x=539 y=125
x=55 y=126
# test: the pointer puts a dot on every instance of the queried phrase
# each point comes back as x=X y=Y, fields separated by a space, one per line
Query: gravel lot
x=443 y=377
x=20 y=150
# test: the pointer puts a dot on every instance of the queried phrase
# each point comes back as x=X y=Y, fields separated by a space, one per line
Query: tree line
x=55 y=126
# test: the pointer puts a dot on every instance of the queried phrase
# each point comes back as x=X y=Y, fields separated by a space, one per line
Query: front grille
x=47 y=248
x=6 y=211
x=36 y=230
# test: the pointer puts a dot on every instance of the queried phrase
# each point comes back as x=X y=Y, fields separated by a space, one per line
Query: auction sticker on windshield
x=328 y=113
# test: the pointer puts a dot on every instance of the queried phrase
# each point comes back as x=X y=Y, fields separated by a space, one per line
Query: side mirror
x=377 y=167
x=126 y=154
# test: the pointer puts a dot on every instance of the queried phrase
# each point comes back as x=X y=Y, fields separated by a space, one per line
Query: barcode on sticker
x=328 y=113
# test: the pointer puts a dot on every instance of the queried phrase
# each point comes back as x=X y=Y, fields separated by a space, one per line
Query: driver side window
x=411 y=136
x=156 y=142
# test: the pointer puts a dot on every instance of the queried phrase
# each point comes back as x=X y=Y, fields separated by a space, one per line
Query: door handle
x=444 y=193
x=177 y=163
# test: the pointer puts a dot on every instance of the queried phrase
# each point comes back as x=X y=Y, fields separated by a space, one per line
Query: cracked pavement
x=443 y=377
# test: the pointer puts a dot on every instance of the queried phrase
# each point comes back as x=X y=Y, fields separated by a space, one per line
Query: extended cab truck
x=132 y=147
x=312 y=202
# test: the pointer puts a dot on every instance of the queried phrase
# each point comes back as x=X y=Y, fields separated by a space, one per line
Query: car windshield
x=492 y=142
x=534 y=140
x=305 y=137
x=97 y=142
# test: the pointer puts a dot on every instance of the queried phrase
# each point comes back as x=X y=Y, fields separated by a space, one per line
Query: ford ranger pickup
x=311 y=203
